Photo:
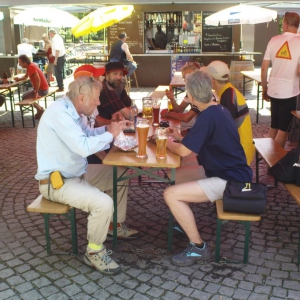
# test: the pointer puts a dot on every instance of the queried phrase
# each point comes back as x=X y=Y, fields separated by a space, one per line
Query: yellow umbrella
x=101 y=18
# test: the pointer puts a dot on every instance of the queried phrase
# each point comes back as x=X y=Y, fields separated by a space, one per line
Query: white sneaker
x=123 y=232
x=101 y=261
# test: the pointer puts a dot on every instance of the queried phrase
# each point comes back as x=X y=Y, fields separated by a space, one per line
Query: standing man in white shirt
x=282 y=88
x=59 y=52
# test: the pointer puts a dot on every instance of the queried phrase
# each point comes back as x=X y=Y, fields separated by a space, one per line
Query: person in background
x=160 y=38
x=63 y=144
x=282 y=87
x=215 y=139
x=38 y=81
x=26 y=49
x=114 y=100
x=119 y=52
x=59 y=54
x=234 y=101
x=149 y=37
x=178 y=110
x=48 y=50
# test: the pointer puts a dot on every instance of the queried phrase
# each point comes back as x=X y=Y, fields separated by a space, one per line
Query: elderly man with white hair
x=26 y=49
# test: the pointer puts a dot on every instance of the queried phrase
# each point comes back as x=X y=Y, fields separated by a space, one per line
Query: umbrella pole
x=241 y=38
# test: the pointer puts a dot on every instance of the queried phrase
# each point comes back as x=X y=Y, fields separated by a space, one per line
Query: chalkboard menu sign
x=215 y=38
x=134 y=28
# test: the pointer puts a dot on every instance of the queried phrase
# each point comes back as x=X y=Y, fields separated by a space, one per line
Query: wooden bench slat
x=270 y=150
x=234 y=216
x=294 y=190
x=42 y=205
x=160 y=91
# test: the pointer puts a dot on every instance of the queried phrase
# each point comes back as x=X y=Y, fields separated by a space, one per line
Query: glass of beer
x=142 y=128
x=161 y=143
x=155 y=110
x=147 y=107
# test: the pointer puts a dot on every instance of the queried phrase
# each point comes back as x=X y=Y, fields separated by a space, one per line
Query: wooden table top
x=117 y=157
x=177 y=80
x=296 y=114
x=5 y=86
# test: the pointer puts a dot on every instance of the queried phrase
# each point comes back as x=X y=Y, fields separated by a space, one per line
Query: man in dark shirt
x=120 y=52
x=113 y=97
x=160 y=38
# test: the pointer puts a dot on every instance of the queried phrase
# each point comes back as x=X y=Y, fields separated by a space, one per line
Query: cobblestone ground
x=27 y=272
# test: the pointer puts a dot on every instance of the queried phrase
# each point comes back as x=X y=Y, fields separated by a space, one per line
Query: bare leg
x=273 y=133
x=38 y=107
x=178 y=198
x=281 y=138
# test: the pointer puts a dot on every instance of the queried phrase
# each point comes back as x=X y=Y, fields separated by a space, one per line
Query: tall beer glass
x=161 y=143
x=142 y=128
x=155 y=110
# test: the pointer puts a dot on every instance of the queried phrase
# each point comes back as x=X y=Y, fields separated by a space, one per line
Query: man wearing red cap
x=113 y=97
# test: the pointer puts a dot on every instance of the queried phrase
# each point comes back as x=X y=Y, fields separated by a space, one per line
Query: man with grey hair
x=26 y=49
x=59 y=54
x=63 y=144
x=223 y=159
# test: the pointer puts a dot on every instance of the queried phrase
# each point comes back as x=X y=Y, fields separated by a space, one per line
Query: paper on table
x=120 y=137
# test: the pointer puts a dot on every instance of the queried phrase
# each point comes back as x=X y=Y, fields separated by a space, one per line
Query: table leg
x=171 y=219
x=244 y=84
x=11 y=108
x=257 y=103
x=115 y=199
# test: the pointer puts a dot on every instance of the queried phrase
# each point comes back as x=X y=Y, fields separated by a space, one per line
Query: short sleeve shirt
x=33 y=69
x=215 y=139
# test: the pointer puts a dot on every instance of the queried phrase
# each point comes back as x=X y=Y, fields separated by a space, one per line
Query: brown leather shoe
x=60 y=90
x=39 y=114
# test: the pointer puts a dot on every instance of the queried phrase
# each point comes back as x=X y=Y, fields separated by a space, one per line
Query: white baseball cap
x=218 y=70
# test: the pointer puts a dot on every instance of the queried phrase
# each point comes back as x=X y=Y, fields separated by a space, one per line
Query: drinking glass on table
x=12 y=72
x=147 y=107
x=161 y=143
x=142 y=128
x=155 y=111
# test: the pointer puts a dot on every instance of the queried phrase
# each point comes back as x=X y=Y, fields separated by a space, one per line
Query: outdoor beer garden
x=244 y=244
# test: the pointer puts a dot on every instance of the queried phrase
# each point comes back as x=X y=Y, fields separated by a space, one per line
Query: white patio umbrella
x=241 y=15
x=46 y=17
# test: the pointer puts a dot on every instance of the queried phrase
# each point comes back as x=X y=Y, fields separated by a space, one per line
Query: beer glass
x=161 y=143
x=147 y=107
x=12 y=72
x=142 y=128
x=155 y=111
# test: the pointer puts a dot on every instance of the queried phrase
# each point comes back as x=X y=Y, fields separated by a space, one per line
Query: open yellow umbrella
x=102 y=18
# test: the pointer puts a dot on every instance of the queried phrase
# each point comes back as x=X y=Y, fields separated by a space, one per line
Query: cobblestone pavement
x=27 y=272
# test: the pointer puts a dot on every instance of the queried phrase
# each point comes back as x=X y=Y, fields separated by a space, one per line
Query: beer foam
x=143 y=125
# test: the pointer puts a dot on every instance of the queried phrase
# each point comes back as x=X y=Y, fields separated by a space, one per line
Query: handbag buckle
x=247 y=187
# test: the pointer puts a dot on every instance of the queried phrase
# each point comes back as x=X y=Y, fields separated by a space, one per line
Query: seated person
x=223 y=159
x=234 y=101
x=113 y=97
x=178 y=109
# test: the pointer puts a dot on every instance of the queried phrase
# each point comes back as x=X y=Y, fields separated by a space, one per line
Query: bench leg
x=73 y=230
x=47 y=233
x=257 y=166
x=32 y=113
x=21 y=108
x=299 y=247
x=218 y=240
x=170 y=231
x=246 y=244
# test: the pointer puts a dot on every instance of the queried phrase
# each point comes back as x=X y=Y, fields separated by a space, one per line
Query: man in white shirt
x=26 y=49
x=59 y=52
x=282 y=87
x=120 y=52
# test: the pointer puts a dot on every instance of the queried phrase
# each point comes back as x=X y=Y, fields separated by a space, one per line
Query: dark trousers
x=59 y=68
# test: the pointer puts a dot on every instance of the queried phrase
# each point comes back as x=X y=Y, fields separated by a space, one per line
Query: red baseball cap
x=88 y=70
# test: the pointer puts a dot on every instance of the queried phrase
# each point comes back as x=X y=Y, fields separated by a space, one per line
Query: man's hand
x=116 y=117
x=170 y=94
x=55 y=62
x=36 y=95
x=116 y=127
x=173 y=132
x=265 y=95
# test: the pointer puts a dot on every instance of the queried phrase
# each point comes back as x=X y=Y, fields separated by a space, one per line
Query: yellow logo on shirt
x=284 y=52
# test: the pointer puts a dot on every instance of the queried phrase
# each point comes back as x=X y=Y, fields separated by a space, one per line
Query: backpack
x=287 y=169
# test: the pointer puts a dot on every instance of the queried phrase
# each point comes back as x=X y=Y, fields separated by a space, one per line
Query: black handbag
x=248 y=198
x=287 y=169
